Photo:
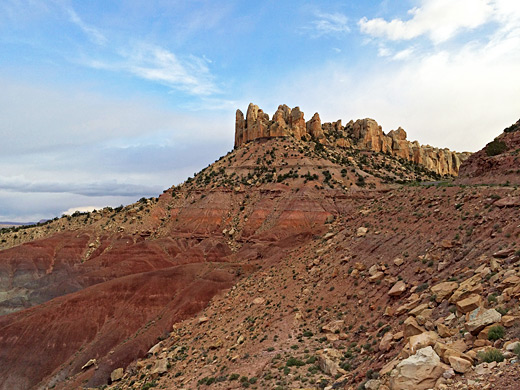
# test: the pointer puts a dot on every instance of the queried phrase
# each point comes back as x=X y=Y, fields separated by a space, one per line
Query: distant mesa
x=363 y=134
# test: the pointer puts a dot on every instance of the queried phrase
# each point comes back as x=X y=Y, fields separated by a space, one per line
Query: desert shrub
x=149 y=385
x=495 y=148
x=496 y=332
x=491 y=355
x=512 y=128
x=292 y=361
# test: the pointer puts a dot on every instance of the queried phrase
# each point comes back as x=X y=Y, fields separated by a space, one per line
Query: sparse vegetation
x=495 y=147
x=491 y=355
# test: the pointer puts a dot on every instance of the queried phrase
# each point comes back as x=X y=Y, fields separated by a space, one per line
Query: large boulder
x=469 y=304
x=479 y=318
x=444 y=290
x=116 y=375
x=419 y=372
x=423 y=340
x=397 y=289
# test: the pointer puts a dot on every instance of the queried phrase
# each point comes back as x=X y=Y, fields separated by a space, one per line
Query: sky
x=103 y=102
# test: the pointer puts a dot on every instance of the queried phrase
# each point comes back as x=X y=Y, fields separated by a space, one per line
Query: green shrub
x=491 y=355
x=495 y=148
x=496 y=332
x=149 y=385
x=512 y=128
x=292 y=361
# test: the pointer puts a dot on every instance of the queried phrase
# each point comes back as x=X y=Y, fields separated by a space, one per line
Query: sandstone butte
x=363 y=134
x=287 y=263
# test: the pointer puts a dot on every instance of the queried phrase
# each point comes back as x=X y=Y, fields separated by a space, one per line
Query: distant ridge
x=13 y=224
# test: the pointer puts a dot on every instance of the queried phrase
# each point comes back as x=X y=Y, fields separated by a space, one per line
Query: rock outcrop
x=362 y=134
x=497 y=162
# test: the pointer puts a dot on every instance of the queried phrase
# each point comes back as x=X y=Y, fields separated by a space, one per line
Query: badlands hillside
x=311 y=256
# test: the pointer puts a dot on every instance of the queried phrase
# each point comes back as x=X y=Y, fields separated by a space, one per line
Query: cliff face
x=363 y=134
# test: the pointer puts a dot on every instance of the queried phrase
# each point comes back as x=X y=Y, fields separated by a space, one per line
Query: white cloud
x=403 y=54
x=94 y=34
x=459 y=98
x=384 y=51
x=81 y=209
x=440 y=20
x=330 y=23
x=189 y=74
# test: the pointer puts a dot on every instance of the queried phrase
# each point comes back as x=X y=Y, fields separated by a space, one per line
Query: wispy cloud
x=440 y=20
x=105 y=188
x=330 y=23
x=93 y=33
x=404 y=54
x=189 y=74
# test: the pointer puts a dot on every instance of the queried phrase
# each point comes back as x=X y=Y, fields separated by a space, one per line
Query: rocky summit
x=363 y=134
x=300 y=260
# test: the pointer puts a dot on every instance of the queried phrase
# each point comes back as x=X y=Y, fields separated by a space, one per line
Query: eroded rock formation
x=362 y=134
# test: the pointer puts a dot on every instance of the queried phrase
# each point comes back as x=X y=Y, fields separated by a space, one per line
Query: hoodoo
x=362 y=134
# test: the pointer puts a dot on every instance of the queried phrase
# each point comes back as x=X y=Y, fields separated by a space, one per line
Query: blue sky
x=103 y=102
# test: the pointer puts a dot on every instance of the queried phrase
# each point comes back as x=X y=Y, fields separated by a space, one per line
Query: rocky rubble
x=363 y=134
x=328 y=320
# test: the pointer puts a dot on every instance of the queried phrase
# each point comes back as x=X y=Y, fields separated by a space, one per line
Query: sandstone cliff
x=363 y=134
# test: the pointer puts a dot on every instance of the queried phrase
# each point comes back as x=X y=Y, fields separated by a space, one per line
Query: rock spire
x=362 y=134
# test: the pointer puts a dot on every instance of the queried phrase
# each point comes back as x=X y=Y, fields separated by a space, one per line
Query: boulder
x=418 y=309
x=90 y=363
x=377 y=276
x=397 y=289
x=460 y=365
x=259 y=301
x=510 y=201
x=327 y=365
x=443 y=290
x=386 y=342
x=479 y=318
x=444 y=331
x=418 y=372
x=373 y=384
x=156 y=348
x=469 y=304
x=412 y=328
x=512 y=346
x=361 y=231
x=116 y=375
x=468 y=287
x=422 y=340
x=333 y=326
x=160 y=367
x=509 y=321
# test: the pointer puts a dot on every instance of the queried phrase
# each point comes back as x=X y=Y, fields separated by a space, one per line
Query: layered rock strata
x=362 y=134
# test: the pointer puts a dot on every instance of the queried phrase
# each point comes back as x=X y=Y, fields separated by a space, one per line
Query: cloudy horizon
x=103 y=103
